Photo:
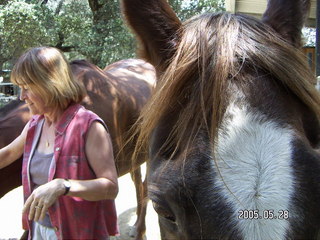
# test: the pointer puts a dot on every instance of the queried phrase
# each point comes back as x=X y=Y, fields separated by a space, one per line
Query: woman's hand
x=42 y=198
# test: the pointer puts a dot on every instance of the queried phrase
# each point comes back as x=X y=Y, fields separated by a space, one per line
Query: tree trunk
x=101 y=17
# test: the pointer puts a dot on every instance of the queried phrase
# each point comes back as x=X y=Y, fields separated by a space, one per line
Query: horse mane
x=213 y=50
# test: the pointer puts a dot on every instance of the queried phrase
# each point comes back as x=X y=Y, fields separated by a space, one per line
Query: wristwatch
x=67 y=186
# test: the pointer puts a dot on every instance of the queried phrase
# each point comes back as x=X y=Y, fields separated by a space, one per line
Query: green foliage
x=109 y=40
x=73 y=24
x=97 y=33
x=309 y=37
x=22 y=26
x=188 y=8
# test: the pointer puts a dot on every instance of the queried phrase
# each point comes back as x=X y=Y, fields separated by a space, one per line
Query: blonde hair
x=47 y=72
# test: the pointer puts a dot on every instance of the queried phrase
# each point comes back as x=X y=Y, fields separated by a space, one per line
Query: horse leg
x=141 y=220
x=139 y=228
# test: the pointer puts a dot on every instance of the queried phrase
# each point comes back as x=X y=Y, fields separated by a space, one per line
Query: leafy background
x=91 y=29
x=82 y=29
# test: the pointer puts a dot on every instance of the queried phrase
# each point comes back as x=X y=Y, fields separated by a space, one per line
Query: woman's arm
x=14 y=150
x=100 y=156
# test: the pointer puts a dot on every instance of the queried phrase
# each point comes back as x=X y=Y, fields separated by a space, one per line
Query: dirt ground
x=11 y=208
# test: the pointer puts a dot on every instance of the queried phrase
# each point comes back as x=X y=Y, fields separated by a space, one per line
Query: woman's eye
x=163 y=212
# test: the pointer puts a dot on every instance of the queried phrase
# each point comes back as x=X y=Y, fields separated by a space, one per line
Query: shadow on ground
x=126 y=220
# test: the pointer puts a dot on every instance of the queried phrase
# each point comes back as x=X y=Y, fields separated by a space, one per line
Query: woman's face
x=35 y=103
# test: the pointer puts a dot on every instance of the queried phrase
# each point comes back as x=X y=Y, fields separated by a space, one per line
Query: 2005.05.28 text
x=266 y=214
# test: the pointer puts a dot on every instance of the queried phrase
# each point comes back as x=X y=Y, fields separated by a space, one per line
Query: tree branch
x=60 y=46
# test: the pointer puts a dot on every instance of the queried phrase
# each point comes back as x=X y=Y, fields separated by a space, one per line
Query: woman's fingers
x=37 y=209
x=27 y=204
x=40 y=212
x=30 y=205
x=42 y=198
x=44 y=209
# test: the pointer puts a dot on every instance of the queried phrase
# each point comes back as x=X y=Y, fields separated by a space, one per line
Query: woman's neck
x=52 y=117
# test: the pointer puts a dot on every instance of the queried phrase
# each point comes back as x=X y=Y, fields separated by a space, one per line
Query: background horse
x=117 y=96
x=233 y=124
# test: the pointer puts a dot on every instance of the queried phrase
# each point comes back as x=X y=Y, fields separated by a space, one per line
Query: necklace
x=47 y=128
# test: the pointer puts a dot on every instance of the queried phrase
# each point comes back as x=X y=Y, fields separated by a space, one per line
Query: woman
x=69 y=177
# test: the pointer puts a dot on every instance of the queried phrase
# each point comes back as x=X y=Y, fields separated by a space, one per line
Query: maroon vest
x=72 y=217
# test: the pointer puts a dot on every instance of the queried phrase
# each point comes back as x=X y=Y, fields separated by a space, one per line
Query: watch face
x=67 y=184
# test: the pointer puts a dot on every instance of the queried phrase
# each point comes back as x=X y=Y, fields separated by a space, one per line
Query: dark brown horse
x=117 y=96
x=233 y=124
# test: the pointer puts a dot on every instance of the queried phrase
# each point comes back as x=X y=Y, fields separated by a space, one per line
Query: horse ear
x=287 y=17
x=156 y=27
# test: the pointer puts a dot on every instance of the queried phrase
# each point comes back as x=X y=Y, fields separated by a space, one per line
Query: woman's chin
x=33 y=111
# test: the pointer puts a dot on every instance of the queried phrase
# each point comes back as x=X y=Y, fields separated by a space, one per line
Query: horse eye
x=163 y=212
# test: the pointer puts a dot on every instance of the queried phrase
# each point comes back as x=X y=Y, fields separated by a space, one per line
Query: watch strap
x=67 y=186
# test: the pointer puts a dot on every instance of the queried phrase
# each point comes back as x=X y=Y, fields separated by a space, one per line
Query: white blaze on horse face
x=255 y=174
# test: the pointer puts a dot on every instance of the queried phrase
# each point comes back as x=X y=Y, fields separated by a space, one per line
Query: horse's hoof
x=133 y=232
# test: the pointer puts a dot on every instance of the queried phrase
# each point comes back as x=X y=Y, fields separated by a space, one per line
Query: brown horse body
x=117 y=96
x=233 y=124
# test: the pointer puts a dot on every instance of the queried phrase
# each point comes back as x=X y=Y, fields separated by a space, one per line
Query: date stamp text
x=266 y=214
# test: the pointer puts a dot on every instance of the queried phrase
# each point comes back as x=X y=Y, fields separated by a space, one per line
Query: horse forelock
x=212 y=51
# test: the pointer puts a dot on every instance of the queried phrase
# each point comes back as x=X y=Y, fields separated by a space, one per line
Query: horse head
x=232 y=128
